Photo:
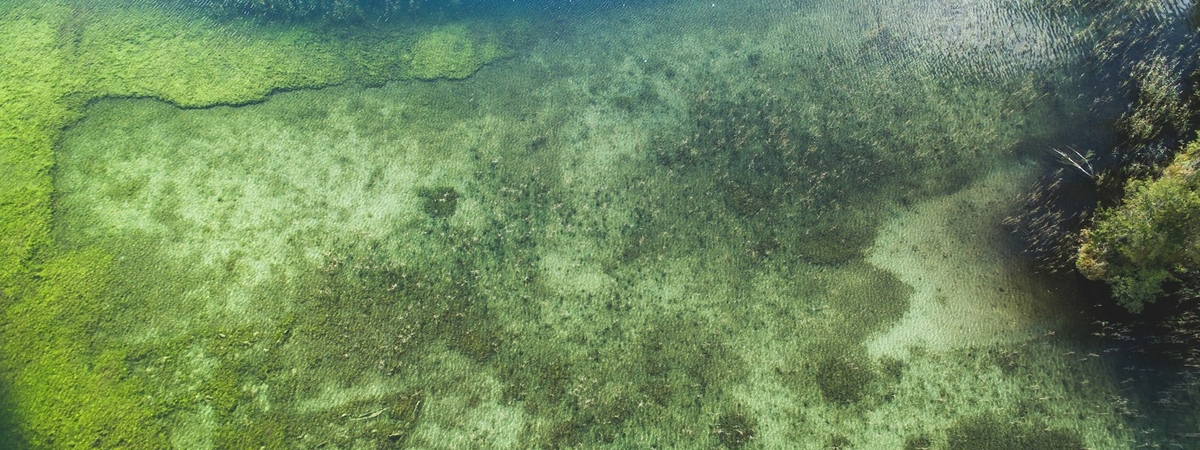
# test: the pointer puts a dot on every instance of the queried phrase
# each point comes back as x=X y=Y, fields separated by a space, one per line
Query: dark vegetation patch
x=8 y=422
x=254 y=362
x=838 y=442
x=846 y=378
x=1154 y=109
x=602 y=423
x=867 y=300
x=772 y=174
x=340 y=11
x=803 y=182
x=610 y=391
x=857 y=305
x=734 y=429
x=438 y=202
x=892 y=368
x=996 y=433
x=1010 y=360
x=537 y=377
x=682 y=360
x=369 y=313
x=643 y=98
x=1117 y=211
x=921 y=442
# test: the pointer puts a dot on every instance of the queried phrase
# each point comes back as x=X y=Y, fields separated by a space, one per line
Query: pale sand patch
x=971 y=287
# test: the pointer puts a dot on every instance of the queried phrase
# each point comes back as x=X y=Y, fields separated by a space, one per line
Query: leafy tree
x=1152 y=238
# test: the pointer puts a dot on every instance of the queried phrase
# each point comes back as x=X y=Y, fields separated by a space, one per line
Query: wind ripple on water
x=982 y=38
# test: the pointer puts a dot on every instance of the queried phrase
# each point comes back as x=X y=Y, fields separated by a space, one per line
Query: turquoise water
x=762 y=224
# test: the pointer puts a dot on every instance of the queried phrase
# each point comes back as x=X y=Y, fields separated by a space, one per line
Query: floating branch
x=1077 y=160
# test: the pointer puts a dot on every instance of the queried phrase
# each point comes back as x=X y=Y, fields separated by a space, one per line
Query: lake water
x=671 y=224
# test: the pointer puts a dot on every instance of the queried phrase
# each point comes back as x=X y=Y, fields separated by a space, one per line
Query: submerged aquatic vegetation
x=450 y=52
x=734 y=430
x=500 y=263
x=66 y=387
x=337 y=10
x=1160 y=108
x=845 y=379
x=995 y=433
x=439 y=202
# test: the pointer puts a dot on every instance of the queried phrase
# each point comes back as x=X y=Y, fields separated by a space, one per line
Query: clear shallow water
x=684 y=225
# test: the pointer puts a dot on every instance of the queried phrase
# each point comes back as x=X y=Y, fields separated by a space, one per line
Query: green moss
x=59 y=56
x=70 y=391
x=207 y=62
x=9 y=431
x=30 y=89
x=24 y=228
x=223 y=392
x=451 y=52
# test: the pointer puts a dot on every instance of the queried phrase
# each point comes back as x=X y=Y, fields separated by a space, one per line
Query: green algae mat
x=641 y=227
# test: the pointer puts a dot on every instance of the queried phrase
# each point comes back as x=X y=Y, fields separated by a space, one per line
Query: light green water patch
x=246 y=195
x=274 y=279
x=962 y=264
x=1042 y=392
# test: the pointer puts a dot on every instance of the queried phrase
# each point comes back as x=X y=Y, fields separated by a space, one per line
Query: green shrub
x=1151 y=238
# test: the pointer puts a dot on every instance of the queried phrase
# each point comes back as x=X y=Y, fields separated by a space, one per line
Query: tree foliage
x=1152 y=238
